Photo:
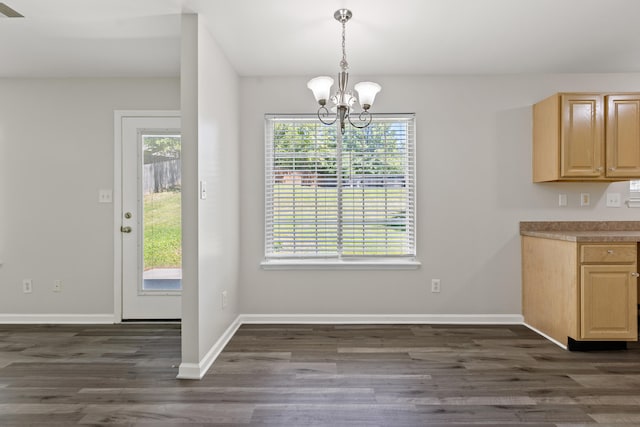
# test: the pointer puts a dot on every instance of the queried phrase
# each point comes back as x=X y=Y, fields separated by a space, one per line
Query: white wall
x=474 y=186
x=218 y=166
x=210 y=124
x=56 y=152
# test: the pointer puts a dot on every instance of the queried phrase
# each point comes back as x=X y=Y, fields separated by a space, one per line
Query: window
x=339 y=197
x=634 y=194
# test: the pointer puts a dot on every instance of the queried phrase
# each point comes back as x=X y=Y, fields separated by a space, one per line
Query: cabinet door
x=582 y=136
x=623 y=136
x=608 y=302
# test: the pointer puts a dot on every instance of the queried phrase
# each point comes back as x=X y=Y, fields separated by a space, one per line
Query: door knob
x=635 y=274
x=125 y=229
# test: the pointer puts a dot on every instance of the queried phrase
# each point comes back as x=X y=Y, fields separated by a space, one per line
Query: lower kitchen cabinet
x=580 y=291
x=605 y=312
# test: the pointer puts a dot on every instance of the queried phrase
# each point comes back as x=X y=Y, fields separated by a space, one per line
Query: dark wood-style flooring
x=313 y=375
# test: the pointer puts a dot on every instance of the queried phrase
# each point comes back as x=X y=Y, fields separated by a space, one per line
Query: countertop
x=583 y=231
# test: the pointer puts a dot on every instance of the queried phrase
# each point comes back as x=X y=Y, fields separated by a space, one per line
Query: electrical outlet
x=224 y=299
x=27 y=286
x=613 y=200
x=57 y=286
x=435 y=285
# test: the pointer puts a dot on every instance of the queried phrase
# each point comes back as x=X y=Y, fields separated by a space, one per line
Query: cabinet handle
x=612 y=169
x=599 y=169
x=635 y=274
x=609 y=251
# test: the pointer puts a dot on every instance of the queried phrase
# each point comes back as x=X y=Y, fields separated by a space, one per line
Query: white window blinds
x=339 y=196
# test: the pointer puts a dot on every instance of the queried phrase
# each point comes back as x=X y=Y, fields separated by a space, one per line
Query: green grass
x=162 y=230
x=377 y=234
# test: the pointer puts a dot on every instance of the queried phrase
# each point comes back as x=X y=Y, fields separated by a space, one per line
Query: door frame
x=118 y=117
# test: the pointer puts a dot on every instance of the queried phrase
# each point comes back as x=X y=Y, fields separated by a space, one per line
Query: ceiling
x=86 y=38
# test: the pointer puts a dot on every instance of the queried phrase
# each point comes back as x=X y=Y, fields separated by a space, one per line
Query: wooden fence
x=161 y=176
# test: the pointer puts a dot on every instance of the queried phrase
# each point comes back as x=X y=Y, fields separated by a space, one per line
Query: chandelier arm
x=365 y=117
x=323 y=112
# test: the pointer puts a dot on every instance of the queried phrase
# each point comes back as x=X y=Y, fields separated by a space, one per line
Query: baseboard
x=468 y=319
x=57 y=318
x=190 y=371
x=195 y=371
x=553 y=340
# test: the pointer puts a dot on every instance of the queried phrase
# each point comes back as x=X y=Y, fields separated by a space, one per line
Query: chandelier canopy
x=343 y=100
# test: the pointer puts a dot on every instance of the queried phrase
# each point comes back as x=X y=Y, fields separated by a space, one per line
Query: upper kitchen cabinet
x=623 y=136
x=586 y=137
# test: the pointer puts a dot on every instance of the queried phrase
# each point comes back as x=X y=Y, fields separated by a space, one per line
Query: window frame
x=340 y=261
x=634 y=195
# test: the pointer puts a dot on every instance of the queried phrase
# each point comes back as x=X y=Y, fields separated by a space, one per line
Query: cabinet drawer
x=608 y=253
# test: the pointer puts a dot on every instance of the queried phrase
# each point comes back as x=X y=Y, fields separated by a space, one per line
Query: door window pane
x=162 y=241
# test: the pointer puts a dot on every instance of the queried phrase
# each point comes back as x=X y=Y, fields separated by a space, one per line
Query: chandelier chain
x=344 y=64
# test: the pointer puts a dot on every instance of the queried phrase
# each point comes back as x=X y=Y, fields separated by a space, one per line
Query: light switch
x=105 y=196
x=203 y=189
x=562 y=200
x=585 y=199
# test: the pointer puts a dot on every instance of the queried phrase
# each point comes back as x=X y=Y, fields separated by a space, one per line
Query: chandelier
x=343 y=100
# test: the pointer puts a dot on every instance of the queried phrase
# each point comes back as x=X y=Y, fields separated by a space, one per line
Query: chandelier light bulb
x=321 y=88
x=367 y=92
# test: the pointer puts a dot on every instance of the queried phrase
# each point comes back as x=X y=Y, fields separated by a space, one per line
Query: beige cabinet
x=608 y=292
x=623 y=136
x=586 y=292
x=586 y=137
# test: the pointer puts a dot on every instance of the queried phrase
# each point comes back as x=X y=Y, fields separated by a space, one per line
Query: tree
x=375 y=150
x=158 y=148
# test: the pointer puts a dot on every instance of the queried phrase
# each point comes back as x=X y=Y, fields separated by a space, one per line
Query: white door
x=151 y=218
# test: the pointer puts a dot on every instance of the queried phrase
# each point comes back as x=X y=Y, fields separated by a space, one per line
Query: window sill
x=387 y=264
